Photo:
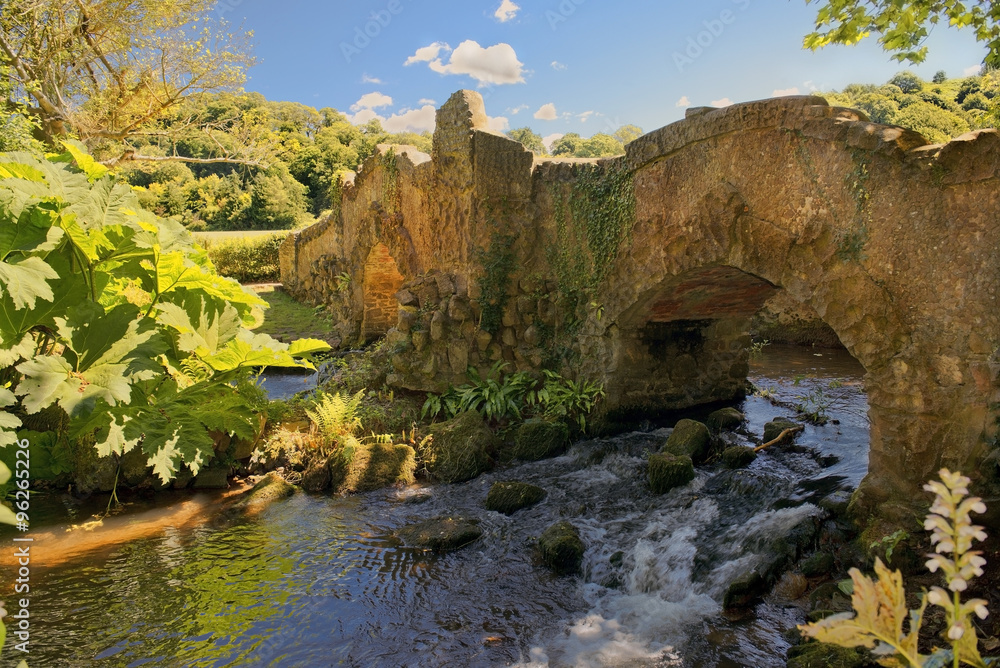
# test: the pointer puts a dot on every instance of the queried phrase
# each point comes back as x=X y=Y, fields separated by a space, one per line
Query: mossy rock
x=459 y=449
x=667 y=471
x=738 y=457
x=689 y=438
x=442 y=533
x=744 y=590
x=774 y=428
x=268 y=489
x=561 y=548
x=537 y=439
x=364 y=467
x=820 y=563
x=724 y=419
x=317 y=477
x=215 y=476
x=824 y=655
x=509 y=497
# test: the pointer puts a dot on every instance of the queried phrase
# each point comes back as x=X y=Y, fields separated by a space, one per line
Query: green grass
x=206 y=239
x=287 y=319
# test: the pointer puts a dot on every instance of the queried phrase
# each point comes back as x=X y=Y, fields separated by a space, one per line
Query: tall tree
x=903 y=25
x=530 y=139
x=109 y=71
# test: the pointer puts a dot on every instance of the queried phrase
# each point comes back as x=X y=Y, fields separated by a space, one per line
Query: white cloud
x=547 y=112
x=518 y=109
x=412 y=120
x=972 y=70
x=497 y=64
x=559 y=67
x=499 y=123
x=811 y=86
x=372 y=80
x=424 y=100
x=371 y=101
x=551 y=139
x=785 y=92
x=683 y=102
x=363 y=116
x=584 y=116
x=506 y=11
x=724 y=102
x=426 y=54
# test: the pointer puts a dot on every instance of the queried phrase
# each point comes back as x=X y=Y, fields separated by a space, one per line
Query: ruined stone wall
x=643 y=272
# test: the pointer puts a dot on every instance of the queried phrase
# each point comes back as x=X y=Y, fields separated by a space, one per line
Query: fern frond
x=335 y=416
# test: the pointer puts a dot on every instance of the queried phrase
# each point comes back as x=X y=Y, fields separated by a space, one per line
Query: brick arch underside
x=382 y=280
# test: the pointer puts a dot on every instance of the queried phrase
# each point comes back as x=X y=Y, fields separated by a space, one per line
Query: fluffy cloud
x=506 y=11
x=426 y=101
x=724 y=102
x=551 y=139
x=558 y=67
x=547 y=112
x=372 y=80
x=499 y=123
x=411 y=120
x=683 y=102
x=785 y=92
x=371 y=101
x=426 y=54
x=497 y=64
x=974 y=70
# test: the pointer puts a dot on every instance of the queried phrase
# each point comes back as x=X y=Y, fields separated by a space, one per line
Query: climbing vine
x=390 y=184
x=498 y=264
x=590 y=235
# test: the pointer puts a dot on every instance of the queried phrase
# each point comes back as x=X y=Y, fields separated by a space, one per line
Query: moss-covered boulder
x=561 y=548
x=738 y=457
x=745 y=589
x=537 y=439
x=774 y=428
x=215 y=476
x=509 y=497
x=667 y=471
x=364 y=467
x=459 y=448
x=724 y=419
x=689 y=438
x=268 y=489
x=823 y=655
x=442 y=533
x=820 y=563
x=317 y=477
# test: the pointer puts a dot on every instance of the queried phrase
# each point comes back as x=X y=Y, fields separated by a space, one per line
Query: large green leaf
x=8 y=422
x=199 y=327
x=35 y=230
x=175 y=271
x=93 y=169
x=15 y=323
x=26 y=280
x=249 y=350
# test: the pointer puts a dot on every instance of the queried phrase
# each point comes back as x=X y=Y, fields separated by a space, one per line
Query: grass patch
x=287 y=319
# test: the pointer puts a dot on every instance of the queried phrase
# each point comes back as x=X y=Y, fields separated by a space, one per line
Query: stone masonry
x=891 y=242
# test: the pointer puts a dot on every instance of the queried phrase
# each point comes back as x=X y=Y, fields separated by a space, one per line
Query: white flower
x=958 y=584
x=956 y=632
x=979 y=508
x=936 y=596
x=981 y=610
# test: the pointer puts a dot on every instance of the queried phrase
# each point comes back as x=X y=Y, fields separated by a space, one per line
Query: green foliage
x=498 y=263
x=248 y=259
x=335 y=417
x=530 y=139
x=880 y=610
x=504 y=397
x=903 y=26
x=118 y=318
x=601 y=145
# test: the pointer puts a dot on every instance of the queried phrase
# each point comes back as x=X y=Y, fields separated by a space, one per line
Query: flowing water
x=321 y=581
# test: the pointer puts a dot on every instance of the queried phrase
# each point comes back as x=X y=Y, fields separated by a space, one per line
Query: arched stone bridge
x=643 y=271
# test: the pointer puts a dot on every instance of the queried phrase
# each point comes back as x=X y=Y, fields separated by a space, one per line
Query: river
x=322 y=581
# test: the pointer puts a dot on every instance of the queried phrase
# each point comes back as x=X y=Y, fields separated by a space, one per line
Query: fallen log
x=781 y=438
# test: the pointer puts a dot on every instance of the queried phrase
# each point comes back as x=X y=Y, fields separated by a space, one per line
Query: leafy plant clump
x=503 y=397
x=880 y=610
x=252 y=259
x=115 y=320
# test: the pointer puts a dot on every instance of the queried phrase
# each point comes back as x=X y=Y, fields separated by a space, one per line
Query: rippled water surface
x=320 y=581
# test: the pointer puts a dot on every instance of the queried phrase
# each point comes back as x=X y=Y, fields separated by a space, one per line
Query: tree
x=908 y=82
x=567 y=145
x=627 y=133
x=940 y=77
x=600 y=145
x=109 y=71
x=530 y=139
x=903 y=25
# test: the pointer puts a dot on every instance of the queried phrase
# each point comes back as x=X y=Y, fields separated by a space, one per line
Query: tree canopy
x=903 y=25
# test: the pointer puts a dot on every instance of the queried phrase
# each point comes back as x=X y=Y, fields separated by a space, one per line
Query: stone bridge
x=643 y=271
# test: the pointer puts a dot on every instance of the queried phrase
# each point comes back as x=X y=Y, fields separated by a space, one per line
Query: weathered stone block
x=458 y=357
x=532 y=336
x=667 y=471
x=438 y=325
x=407 y=318
x=483 y=340
x=420 y=339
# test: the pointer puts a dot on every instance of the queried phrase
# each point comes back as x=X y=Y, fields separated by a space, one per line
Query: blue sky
x=557 y=66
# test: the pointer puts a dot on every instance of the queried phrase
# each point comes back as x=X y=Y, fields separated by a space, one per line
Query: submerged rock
x=509 y=497
x=724 y=419
x=738 y=457
x=538 y=439
x=442 y=533
x=690 y=438
x=364 y=467
x=459 y=449
x=824 y=655
x=268 y=489
x=561 y=548
x=667 y=471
